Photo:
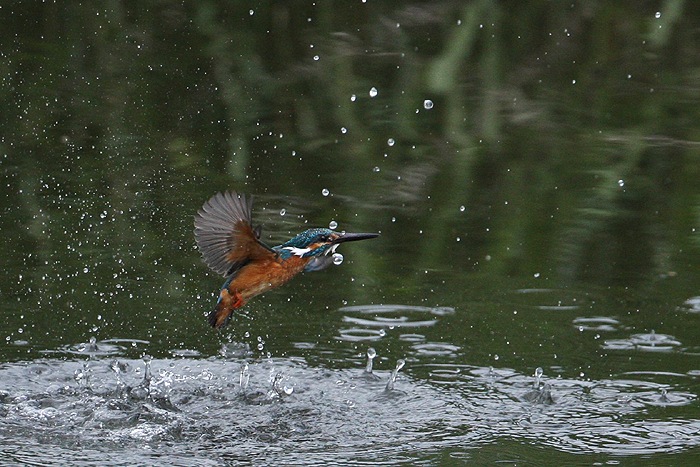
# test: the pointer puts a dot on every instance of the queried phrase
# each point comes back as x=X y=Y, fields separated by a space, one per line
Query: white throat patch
x=297 y=251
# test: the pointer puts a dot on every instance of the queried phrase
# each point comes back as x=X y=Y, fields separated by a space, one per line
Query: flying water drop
x=325 y=192
x=333 y=225
x=427 y=104
x=373 y=92
x=338 y=259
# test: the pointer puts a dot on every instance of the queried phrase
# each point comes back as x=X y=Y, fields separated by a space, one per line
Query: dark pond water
x=534 y=296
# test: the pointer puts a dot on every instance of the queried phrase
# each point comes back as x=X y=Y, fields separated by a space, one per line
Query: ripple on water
x=101 y=348
x=436 y=349
x=550 y=299
x=596 y=323
x=386 y=317
x=692 y=305
x=651 y=342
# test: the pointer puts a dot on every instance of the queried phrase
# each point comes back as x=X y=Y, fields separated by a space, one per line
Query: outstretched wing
x=223 y=229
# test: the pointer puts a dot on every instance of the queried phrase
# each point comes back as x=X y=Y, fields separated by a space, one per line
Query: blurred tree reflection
x=568 y=131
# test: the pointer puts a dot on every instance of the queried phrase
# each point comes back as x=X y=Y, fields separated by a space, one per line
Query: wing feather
x=224 y=232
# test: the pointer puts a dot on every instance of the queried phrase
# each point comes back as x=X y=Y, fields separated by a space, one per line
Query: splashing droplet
x=338 y=259
x=147 y=376
x=92 y=345
x=82 y=376
x=333 y=225
x=390 y=141
x=283 y=212
x=427 y=104
x=325 y=192
x=278 y=389
x=538 y=376
x=373 y=92
x=392 y=378
x=462 y=208
x=371 y=353
x=376 y=169
x=244 y=377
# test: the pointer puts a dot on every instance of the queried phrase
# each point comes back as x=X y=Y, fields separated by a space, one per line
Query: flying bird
x=230 y=245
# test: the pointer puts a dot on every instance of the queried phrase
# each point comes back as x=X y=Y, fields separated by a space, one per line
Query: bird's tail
x=222 y=312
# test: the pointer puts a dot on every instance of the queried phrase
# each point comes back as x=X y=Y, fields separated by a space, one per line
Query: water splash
x=278 y=389
x=541 y=393
x=392 y=378
x=371 y=354
x=147 y=375
x=82 y=375
x=538 y=376
x=143 y=390
x=244 y=378
x=118 y=369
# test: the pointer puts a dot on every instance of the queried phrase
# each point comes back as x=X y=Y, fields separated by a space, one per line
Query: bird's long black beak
x=351 y=237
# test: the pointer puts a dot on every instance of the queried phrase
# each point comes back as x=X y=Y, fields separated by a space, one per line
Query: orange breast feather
x=260 y=276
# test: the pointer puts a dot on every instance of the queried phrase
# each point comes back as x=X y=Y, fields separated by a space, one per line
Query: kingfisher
x=230 y=245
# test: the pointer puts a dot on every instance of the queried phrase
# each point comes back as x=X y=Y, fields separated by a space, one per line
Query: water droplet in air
x=621 y=182
x=376 y=169
x=325 y=192
x=338 y=259
x=283 y=212
x=462 y=208
x=427 y=104
x=373 y=92
x=333 y=225
x=657 y=15
x=353 y=98
x=390 y=142
x=343 y=130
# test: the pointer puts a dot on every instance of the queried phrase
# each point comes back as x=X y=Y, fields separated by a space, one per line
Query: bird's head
x=318 y=242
